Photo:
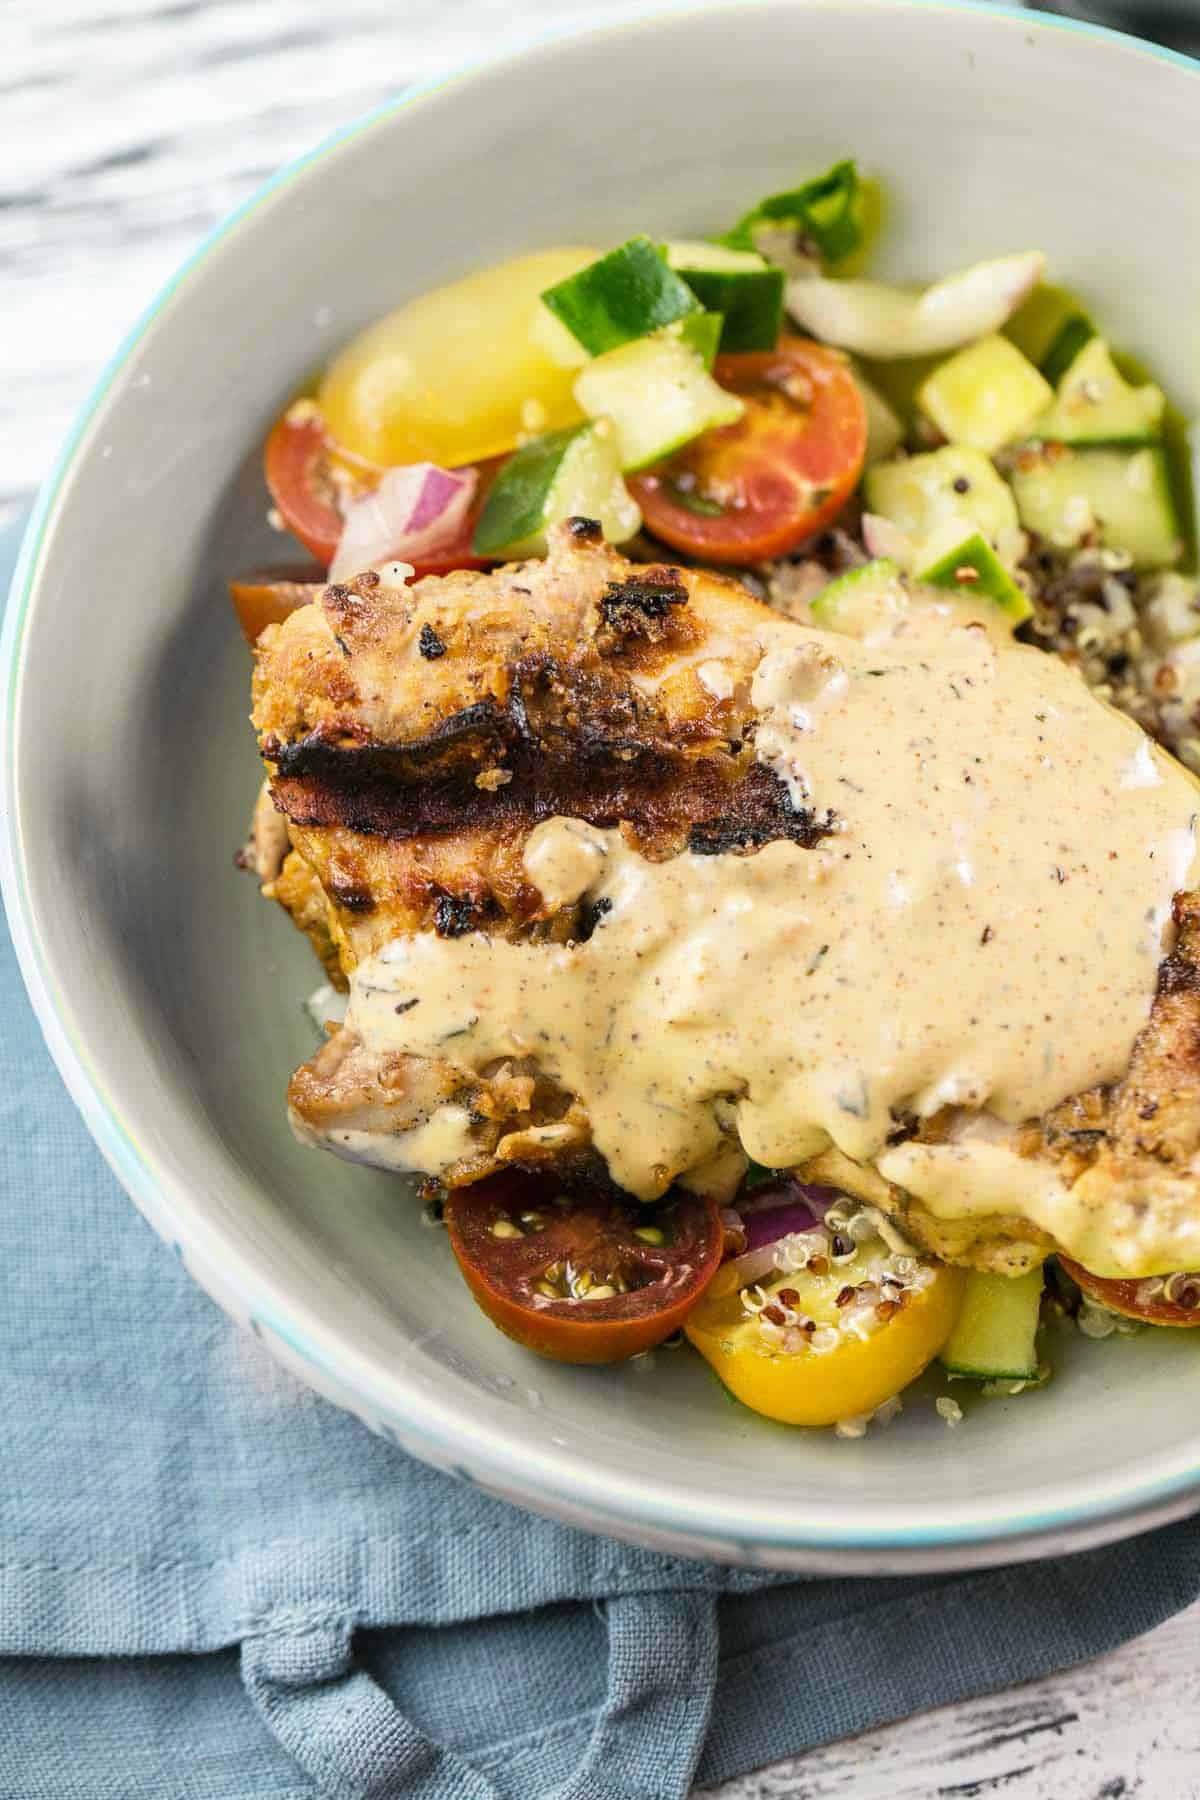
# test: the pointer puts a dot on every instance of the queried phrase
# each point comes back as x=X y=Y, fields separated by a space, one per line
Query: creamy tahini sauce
x=982 y=930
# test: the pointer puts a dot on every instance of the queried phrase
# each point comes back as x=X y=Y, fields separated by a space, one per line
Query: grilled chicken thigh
x=419 y=740
x=414 y=738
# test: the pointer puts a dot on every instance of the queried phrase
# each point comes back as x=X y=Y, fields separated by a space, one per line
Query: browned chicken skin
x=414 y=736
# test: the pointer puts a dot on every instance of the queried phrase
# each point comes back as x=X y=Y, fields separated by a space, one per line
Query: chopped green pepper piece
x=827 y=210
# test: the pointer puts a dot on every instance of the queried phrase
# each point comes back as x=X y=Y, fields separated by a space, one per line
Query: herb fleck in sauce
x=959 y=942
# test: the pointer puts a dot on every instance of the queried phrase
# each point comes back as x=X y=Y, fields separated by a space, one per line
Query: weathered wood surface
x=129 y=128
x=1127 y=1725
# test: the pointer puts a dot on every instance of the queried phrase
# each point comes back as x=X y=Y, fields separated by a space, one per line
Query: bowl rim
x=628 y=1507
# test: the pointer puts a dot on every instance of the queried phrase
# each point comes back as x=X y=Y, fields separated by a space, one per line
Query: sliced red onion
x=884 y=538
x=769 y=1213
x=779 y=1208
x=415 y=510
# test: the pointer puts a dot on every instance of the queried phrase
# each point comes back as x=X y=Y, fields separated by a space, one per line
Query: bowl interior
x=176 y=994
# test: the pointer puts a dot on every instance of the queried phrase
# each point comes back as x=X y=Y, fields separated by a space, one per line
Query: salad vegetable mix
x=754 y=403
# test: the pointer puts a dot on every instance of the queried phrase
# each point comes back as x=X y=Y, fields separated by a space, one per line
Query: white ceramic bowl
x=171 y=995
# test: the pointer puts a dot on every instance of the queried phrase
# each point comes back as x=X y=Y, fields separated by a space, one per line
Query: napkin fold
x=216 y=1586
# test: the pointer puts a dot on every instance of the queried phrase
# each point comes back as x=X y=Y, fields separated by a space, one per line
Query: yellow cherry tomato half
x=810 y=1384
x=458 y=374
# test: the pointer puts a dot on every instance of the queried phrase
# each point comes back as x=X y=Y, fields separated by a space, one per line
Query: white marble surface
x=129 y=127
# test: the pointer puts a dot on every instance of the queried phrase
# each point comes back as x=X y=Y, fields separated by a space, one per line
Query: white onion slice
x=755 y=1265
x=415 y=510
x=777 y=242
x=890 y=322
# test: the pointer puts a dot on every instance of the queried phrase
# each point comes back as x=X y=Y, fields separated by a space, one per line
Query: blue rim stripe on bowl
x=1155 y=1501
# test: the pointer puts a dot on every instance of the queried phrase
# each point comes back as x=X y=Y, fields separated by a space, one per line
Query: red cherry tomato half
x=759 y=487
x=297 y=468
x=298 y=464
x=1138 y=1299
x=582 y=1278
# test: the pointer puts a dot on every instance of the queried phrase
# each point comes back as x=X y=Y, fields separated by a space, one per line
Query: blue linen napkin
x=215 y=1586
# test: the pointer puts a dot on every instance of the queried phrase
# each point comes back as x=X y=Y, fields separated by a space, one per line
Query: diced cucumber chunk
x=658 y=394
x=986 y=395
x=973 y=570
x=920 y=493
x=885 y=433
x=740 y=286
x=898 y=384
x=750 y=304
x=994 y=1338
x=1050 y=328
x=701 y=332
x=861 y=598
x=621 y=297
x=1118 y=498
x=565 y=474
x=1094 y=404
x=689 y=255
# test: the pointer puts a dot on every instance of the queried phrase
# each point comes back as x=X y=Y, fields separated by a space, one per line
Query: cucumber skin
x=1042 y=320
x=994 y=1339
x=854 y=584
x=1131 y=416
x=750 y=302
x=861 y=584
x=701 y=332
x=571 y=472
x=622 y=296
x=1072 y=335
x=515 y=508
x=995 y=583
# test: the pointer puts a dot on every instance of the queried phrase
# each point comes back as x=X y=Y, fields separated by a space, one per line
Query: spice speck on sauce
x=803 y=997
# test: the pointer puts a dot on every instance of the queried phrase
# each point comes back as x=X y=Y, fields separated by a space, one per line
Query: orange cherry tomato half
x=583 y=1277
x=1137 y=1299
x=784 y=471
x=266 y=596
x=298 y=463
